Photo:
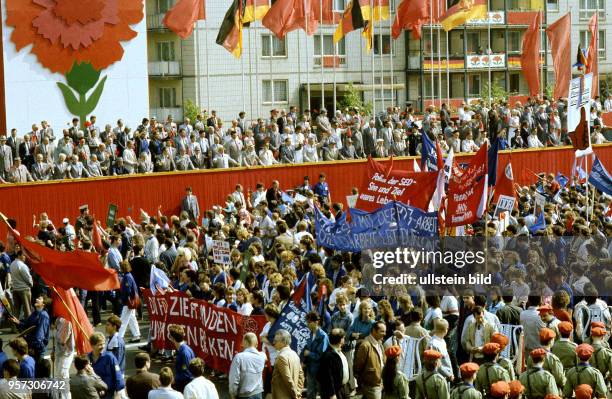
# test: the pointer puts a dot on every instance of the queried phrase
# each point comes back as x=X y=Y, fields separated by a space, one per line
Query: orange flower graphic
x=65 y=32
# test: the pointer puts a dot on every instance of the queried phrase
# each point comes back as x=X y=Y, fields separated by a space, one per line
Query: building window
x=515 y=79
x=588 y=7
x=585 y=40
x=167 y=97
x=165 y=51
x=388 y=95
x=427 y=87
x=387 y=44
x=514 y=41
x=473 y=43
x=338 y=5
x=328 y=51
x=278 y=46
x=164 y=5
x=474 y=86
x=552 y=5
x=429 y=45
x=274 y=91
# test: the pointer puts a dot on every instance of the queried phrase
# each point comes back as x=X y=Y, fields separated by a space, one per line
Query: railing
x=165 y=68
x=162 y=113
x=329 y=61
x=154 y=21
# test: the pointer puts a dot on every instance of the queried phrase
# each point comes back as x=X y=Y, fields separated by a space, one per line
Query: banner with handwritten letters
x=388 y=226
x=467 y=192
x=384 y=185
x=579 y=96
x=215 y=334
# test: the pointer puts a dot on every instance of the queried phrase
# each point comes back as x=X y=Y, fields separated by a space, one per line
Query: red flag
x=593 y=54
x=327 y=12
x=67 y=305
x=530 y=57
x=288 y=15
x=440 y=160
x=96 y=238
x=181 y=18
x=382 y=185
x=467 y=193
x=78 y=268
x=411 y=14
x=559 y=36
x=505 y=184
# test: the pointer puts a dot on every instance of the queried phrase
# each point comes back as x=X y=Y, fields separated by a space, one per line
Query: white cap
x=66 y=221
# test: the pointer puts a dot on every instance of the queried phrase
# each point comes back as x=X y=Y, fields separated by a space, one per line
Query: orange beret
x=468 y=369
x=431 y=354
x=546 y=334
x=598 y=332
x=552 y=396
x=545 y=308
x=565 y=327
x=599 y=324
x=491 y=348
x=539 y=353
x=393 y=351
x=499 y=389
x=500 y=339
x=516 y=388
x=583 y=391
x=584 y=351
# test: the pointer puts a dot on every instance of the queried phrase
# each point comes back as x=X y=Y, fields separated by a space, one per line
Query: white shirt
x=533 y=141
x=200 y=388
x=446 y=368
x=269 y=349
x=245 y=375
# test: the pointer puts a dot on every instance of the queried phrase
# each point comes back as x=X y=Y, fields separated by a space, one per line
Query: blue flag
x=492 y=154
x=561 y=179
x=540 y=223
x=158 y=280
x=600 y=178
x=334 y=235
x=429 y=157
x=293 y=316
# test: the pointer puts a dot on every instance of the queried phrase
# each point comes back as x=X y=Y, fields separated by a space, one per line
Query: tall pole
x=299 y=60
x=243 y=83
x=270 y=63
x=322 y=47
x=540 y=57
x=380 y=54
x=196 y=51
x=490 y=51
x=2 y=92
x=431 y=43
x=439 y=57
x=371 y=22
x=307 y=65
x=391 y=55
x=250 y=78
x=448 y=96
x=334 y=64
x=257 y=81
x=207 y=69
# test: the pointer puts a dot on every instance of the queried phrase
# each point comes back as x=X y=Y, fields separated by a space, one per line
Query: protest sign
x=215 y=334
x=504 y=203
x=112 y=214
x=467 y=191
x=221 y=252
x=579 y=96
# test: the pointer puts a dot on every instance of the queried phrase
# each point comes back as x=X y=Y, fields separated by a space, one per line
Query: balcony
x=162 y=113
x=165 y=68
x=155 y=22
x=330 y=61
x=485 y=61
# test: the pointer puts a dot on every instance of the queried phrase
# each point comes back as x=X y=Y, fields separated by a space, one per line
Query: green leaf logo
x=81 y=79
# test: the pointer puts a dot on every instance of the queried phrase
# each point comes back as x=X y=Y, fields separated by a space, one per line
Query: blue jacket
x=359 y=326
x=27 y=367
x=184 y=355
x=3 y=358
x=38 y=338
x=128 y=288
x=321 y=189
x=117 y=350
x=316 y=347
x=107 y=368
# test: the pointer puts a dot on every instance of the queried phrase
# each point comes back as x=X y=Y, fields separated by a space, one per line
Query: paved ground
x=131 y=351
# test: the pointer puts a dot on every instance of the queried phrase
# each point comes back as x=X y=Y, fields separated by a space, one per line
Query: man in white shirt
x=166 y=377
x=151 y=249
x=438 y=343
x=533 y=141
x=245 y=376
x=199 y=387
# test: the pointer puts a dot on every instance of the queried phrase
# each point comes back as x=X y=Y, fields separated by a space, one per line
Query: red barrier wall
x=130 y=193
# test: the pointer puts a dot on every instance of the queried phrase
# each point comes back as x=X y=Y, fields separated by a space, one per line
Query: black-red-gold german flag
x=240 y=13
x=352 y=18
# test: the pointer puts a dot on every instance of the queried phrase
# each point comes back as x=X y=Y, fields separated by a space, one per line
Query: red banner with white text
x=385 y=184
x=467 y=191
x=215 y=334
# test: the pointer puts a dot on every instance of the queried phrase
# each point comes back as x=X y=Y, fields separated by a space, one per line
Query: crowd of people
x=360 y=340
x=285 y=137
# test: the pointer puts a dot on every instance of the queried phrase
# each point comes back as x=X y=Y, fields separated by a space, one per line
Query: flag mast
x=380 y=54
x=391 y=54
x=207 y=69
x=439 y=55
x=371 y=26
x=431 y=50
x=307 y=54
x=250 y=79
x=196 y=51
x=270 y=63
x=322 y=48
x=335 y=59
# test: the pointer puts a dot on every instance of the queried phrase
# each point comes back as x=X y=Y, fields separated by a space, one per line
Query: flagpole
x=447 y=72
x=299 y=60
x=490 y=52
x=322 y=53
x=380 y=54
x=76 y=320
x=207 y=69
x=431 y=51
x=335 y=60
x=243 y=83
x=371 y=23
x=391 y=54
x=270 y=63
x=307 y=65
x=257 y=82
x=250 y=78
x=196 y=50
x=439 y=59
x=540 y=57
